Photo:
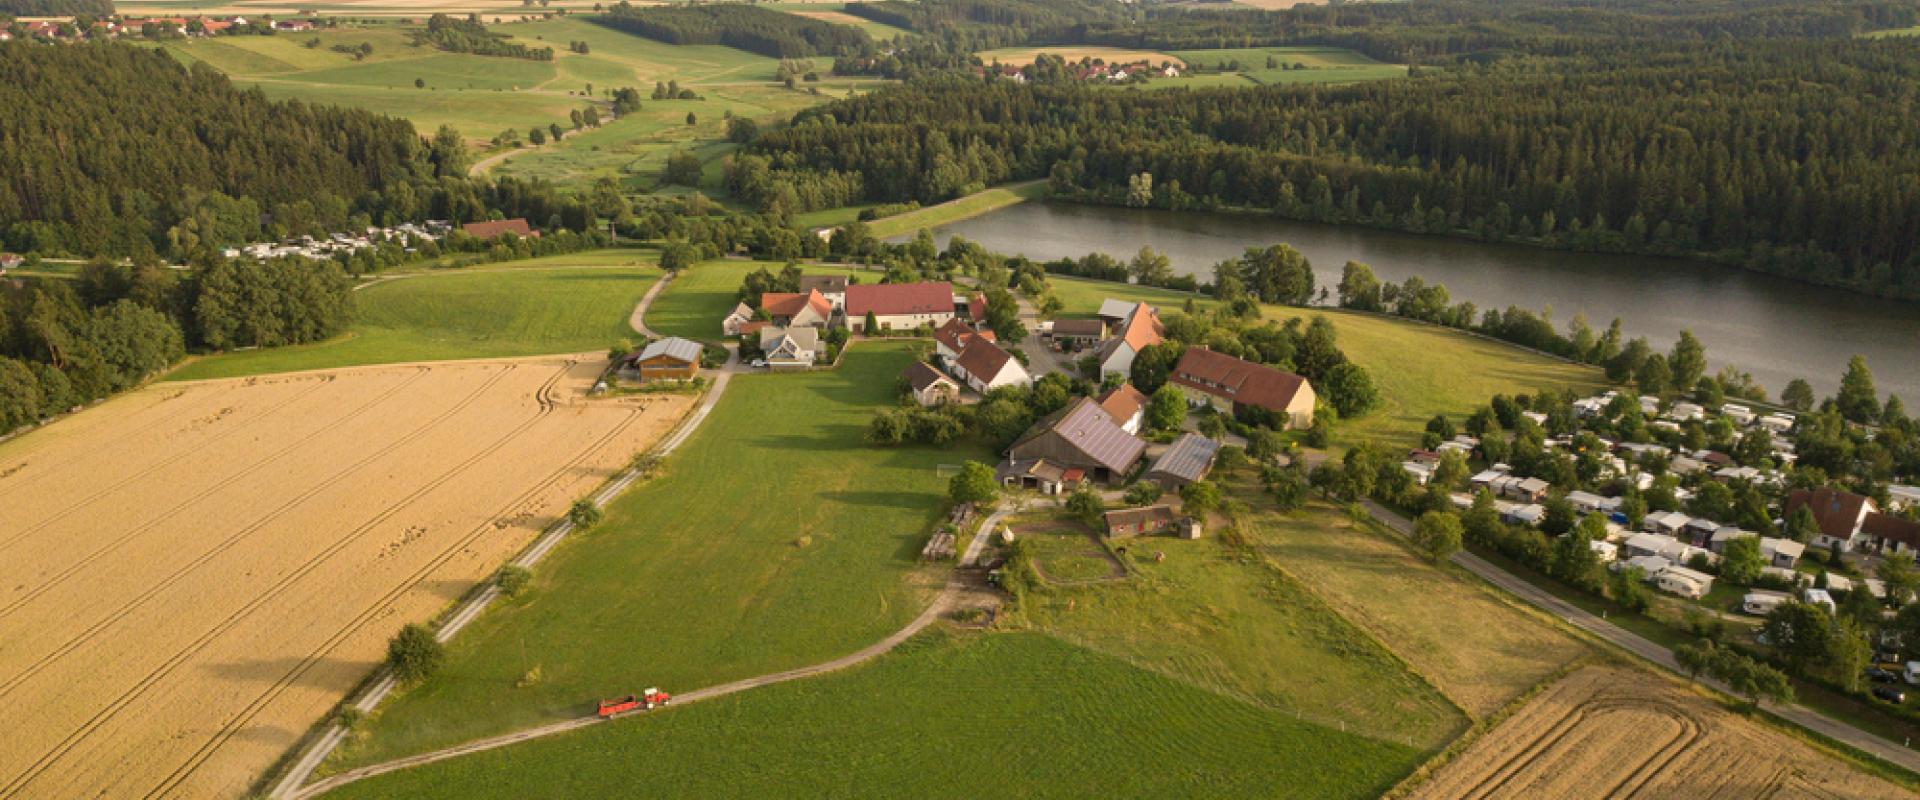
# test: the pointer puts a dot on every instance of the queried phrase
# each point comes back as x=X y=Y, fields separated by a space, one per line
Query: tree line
x=56 y=8
x=1743 y=164
x=469 y=36
x=756 y=30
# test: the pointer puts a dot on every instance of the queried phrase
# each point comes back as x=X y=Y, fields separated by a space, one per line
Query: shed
x=672 y=357
x=1188 y=460
x=1140 y=521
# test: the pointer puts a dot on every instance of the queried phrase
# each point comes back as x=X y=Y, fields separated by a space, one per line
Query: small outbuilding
x=1140 y=521
x=669 y=358
x=929 y=386
x=1187 y=460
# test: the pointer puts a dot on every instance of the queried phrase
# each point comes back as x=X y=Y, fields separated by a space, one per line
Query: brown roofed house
x=1232 y=384
x=985 y=366
x=1140 y=521
x=797 y=310
x=1840 y=514
x=1890 y=533
x=930 y=387
x=951 y=338
x=1081 y=435
x=488 y=230
x=900 y=306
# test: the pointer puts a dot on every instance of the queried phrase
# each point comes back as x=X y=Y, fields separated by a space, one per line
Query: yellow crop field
x=193 y=574
x=1616 y=732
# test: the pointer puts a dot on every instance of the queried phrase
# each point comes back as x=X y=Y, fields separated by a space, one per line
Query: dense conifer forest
x=55 y=8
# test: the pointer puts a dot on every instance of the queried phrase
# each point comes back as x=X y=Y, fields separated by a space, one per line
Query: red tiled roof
x=983 y=359
x=1143 y=329
x=1835 y=510
x=488 y=230
x=753 y=326
x=977 y=307
x=1122 y=403
x=1241 y=381
x=787 y=304
x=885 y=299
x=1892 y=528
x=954 y=334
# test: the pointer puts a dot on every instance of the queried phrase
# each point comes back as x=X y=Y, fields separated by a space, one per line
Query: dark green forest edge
x=1764 y=135
x=750 y=28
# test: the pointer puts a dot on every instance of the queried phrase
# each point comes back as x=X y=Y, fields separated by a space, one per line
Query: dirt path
x=1649 y=650
x=639 y=319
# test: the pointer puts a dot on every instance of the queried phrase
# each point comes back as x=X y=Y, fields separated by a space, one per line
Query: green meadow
x=1313 y=64
x=516 y=309
x=944 y=716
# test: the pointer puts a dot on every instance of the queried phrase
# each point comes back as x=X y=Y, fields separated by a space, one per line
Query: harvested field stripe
x=89 y=499
x=80 y=566
x=21 y=781
x=233 y=724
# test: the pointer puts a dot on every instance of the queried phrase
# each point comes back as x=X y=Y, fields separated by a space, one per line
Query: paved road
x=1650 y=650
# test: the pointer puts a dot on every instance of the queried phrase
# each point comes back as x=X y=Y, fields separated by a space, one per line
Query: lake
x=1772 y=327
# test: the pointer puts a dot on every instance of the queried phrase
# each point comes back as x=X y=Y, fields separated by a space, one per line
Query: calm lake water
x=1774 y=328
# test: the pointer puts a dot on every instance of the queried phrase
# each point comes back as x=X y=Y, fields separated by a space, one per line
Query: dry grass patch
x=1022 y=56
x=196 y=573
x=1622 y=732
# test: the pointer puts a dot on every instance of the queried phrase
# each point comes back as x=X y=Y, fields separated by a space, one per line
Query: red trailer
x=648 y=700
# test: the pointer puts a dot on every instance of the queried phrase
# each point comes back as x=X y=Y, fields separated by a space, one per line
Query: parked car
x=759 y=363
x=1890 y=694
x=1878 y=675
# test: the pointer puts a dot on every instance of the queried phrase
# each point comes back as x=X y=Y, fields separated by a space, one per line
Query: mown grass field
x=972 y=205
x=515 y=309
x=1204 y=613
x=1321 y=64
x=1482 y=652
x=1022 y=56
x=944 y=716
x=774 y=539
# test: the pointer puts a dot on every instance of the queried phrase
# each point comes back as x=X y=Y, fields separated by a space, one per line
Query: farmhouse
x=1127 y=406
x=1081 y=435
x=1840 y=514
x=736 y=319
x=831 y=287
x=1140 y=521
x=1141 y=329
x=929 y=386
x=797 y=310
x=1188 y=460
x=672 y=357
x=951 y=338
x=1233 y=384
x=900 y=306
x=789 y=348
x=489 y=230
x=984 y=366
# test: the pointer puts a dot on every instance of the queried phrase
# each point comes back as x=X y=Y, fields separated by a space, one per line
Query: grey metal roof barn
x=672 y=347
x=1081 y=435
x=1186 y=461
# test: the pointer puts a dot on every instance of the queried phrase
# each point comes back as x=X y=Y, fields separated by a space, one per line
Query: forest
x=55 y=8
x=750 y=28
x=1755 y=153
x=469 y=36
x=985 y=24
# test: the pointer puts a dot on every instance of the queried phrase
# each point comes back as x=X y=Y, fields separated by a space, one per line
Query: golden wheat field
x=1618 y=732
x=193 y=574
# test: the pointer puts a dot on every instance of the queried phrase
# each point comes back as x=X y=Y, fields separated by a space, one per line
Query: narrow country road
x=1649 y=650
x=639 y=319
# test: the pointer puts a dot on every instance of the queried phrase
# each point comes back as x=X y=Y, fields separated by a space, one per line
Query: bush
x=513 y=579
x=584 y=514
x=414 y=654
x=1143 y=493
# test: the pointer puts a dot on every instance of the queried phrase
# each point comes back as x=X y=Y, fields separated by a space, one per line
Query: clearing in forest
x=193 y=574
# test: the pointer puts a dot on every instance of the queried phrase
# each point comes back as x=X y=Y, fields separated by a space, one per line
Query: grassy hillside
x=515 y=309
x=1004 y=715
x=774 y=539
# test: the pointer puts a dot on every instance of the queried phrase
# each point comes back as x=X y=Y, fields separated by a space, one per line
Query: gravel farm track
x=193 y=574
x=1618 y=732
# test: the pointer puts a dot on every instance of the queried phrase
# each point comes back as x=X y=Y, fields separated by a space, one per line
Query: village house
x=1840 y=514
x=1077 y=333
x=1139 y=330
x=1081 y=435
x=1231 y=384
x=1891 y=534
x=493 y=229
x=1127 y=406
x=1188 y=459
x=1140 y=521
x=669 y=358
x=972 y=308
x=831 y=287
x=899 y=306
x=952 y=337
x=796 y=309
x=789 y=348
x=739 y=316
x=930 y=387
x=985 y=366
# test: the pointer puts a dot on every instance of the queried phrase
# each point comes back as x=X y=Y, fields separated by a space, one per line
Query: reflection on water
x=1774 y=328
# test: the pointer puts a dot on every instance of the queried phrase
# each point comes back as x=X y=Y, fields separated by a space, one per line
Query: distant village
x=67 y=30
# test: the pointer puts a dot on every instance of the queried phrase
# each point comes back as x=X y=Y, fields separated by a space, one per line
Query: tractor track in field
x=234 y=725
x=956 y=587
x=14 y=786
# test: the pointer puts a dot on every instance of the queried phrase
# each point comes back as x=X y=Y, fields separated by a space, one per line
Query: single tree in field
x=974 y=484
x=1438 y=534
x=692 y=119
x=414 y=654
